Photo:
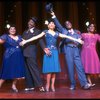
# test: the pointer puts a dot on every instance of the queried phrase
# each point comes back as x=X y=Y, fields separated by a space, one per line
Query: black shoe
x=87 y=86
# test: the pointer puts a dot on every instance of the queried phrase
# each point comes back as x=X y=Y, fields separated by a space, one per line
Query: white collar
x=71 y=31
x=31 y=30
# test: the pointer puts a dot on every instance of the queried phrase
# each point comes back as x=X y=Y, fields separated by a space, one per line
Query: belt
x=71 y=45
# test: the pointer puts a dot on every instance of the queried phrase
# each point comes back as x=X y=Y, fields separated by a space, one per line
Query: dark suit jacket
x=30 y=49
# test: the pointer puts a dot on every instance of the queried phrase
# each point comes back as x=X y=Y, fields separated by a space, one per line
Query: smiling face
x=31 y=24
x=91 y=28
x=68 y=25
x=51 y=25
x=12 y=30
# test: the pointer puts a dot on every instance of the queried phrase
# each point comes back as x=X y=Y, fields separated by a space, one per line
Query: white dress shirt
x=31 y=30
x=71 y=31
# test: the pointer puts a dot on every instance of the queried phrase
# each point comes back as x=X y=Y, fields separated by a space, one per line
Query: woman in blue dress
x=13 y=60
x=51 y=63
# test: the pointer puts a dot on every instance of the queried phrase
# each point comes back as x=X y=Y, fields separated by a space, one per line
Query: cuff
x=53 y=16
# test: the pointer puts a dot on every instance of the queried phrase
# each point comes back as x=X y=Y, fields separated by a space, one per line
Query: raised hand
x=52 y=13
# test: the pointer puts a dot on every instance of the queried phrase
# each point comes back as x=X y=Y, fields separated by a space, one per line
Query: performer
x=72 y=54
x=51 y=64
x=13 y=66
x=33 y=78
x=90 y=59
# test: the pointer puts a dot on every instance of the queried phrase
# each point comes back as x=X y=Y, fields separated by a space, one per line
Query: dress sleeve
x=4 y=37
x=57 y=33
x=45 y=31
x=82 y=35
x=20 y=38
x=98 y=37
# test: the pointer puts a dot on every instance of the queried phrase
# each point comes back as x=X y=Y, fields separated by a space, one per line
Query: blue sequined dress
x=13 y=65
x=51 y=63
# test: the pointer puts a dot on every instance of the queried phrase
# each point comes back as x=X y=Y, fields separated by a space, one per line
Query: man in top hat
x=33 y=78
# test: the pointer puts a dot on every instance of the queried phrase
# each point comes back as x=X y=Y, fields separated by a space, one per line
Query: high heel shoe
x=52 y=89
x=41 y=89
x=47 y=89
x=14 y=89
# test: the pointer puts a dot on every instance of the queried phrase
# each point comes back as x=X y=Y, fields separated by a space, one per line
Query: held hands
x=47 y=51
x=23 y=43
x=80 y=41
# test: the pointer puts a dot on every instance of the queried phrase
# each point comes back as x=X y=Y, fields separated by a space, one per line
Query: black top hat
x=49 y=7
x=34 y=19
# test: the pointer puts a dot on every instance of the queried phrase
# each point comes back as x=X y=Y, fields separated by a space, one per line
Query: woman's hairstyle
x=48 y=21
x=90 y=25
x=11 y=25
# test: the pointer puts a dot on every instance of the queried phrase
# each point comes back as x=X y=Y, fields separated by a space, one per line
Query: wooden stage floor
x=62 y=91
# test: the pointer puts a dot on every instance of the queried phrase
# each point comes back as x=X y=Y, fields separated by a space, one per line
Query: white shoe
x=29 y=89
x=92 y=85
x=89 y=84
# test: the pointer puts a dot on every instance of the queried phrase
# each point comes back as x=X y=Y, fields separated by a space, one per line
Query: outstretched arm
x=1 y=41
x=71 y=38
x=32 y=39
x=3 y=38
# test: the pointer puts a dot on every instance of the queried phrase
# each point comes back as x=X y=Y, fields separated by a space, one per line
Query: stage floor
x=62 y=91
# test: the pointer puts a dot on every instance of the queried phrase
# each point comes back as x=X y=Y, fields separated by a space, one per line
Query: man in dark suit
x=33 y=78
x=72 y=54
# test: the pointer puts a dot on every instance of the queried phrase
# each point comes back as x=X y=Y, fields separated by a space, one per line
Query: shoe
x=92 y=85
x=41 y=89
x=29 y=89
x=47 y=89
x=87 y=86
x=14 y=89
x=72 y=87
x=53 y=89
